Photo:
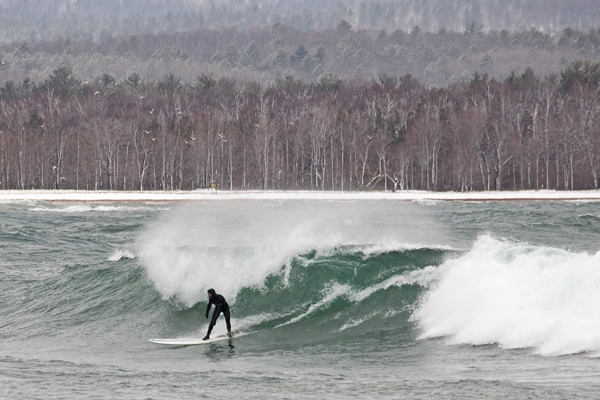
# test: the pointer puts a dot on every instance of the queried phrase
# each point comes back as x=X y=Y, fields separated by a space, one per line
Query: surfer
x=221 y=306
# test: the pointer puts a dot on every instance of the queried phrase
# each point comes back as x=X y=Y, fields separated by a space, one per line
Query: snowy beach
x=205 y=195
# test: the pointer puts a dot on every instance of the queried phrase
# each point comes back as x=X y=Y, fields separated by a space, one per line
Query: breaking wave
x=327 y=272
x=517 y=296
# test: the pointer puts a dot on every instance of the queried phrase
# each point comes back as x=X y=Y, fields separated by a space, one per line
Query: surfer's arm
x=208 y=308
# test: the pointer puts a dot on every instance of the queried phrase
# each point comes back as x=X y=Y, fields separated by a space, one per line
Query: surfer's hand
x=206 y=315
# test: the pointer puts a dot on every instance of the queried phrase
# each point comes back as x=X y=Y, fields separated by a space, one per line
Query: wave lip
x=230 y=248
x=517 y=296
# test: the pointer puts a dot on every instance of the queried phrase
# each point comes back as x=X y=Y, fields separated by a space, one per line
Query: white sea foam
x=423 y=277
x=388 y=246
x=82 y=208
x=354 y=322
x=23 y=202
x=120 y=254
x=517 y=296
x=68 y=209
x=335 y=291
x=332 y=293
x=227 y=247
x=427 y=202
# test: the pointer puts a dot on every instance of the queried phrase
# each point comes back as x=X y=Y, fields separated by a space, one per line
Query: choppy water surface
x=382 y=299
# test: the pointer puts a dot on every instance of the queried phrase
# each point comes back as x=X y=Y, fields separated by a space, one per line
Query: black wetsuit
x=221 y=306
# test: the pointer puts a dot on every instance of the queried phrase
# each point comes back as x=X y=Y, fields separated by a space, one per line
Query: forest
x=441 y=95
x=388 y=133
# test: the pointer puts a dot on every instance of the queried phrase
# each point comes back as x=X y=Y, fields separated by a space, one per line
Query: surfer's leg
x=213 y=320
x=210 y=328
x=227 y=318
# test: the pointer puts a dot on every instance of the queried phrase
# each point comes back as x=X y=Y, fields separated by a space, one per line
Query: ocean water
x=329 y=300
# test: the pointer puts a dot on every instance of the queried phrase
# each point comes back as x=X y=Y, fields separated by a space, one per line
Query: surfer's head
x=211 y=292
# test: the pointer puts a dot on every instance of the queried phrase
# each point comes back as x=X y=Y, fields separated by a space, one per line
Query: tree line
x=435 y=58
x=388 y=133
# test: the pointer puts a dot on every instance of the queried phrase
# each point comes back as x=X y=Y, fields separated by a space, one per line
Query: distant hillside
x=34 y=19
x=266 y=54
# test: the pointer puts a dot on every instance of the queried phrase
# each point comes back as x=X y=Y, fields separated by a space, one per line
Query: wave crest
x=518 y=296
x=230 y=248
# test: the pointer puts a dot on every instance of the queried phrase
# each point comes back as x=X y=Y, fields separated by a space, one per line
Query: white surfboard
x=188 y=341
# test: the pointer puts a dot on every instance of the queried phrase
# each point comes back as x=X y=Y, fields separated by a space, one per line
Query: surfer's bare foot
x=206 y=337
x=229 y=334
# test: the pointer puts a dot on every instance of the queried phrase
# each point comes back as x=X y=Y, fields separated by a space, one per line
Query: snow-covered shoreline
x=205 y=195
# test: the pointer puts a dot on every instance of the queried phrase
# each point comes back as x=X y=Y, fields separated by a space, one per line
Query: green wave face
x=345 y=289
x=338 y=290
x=282 y=266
